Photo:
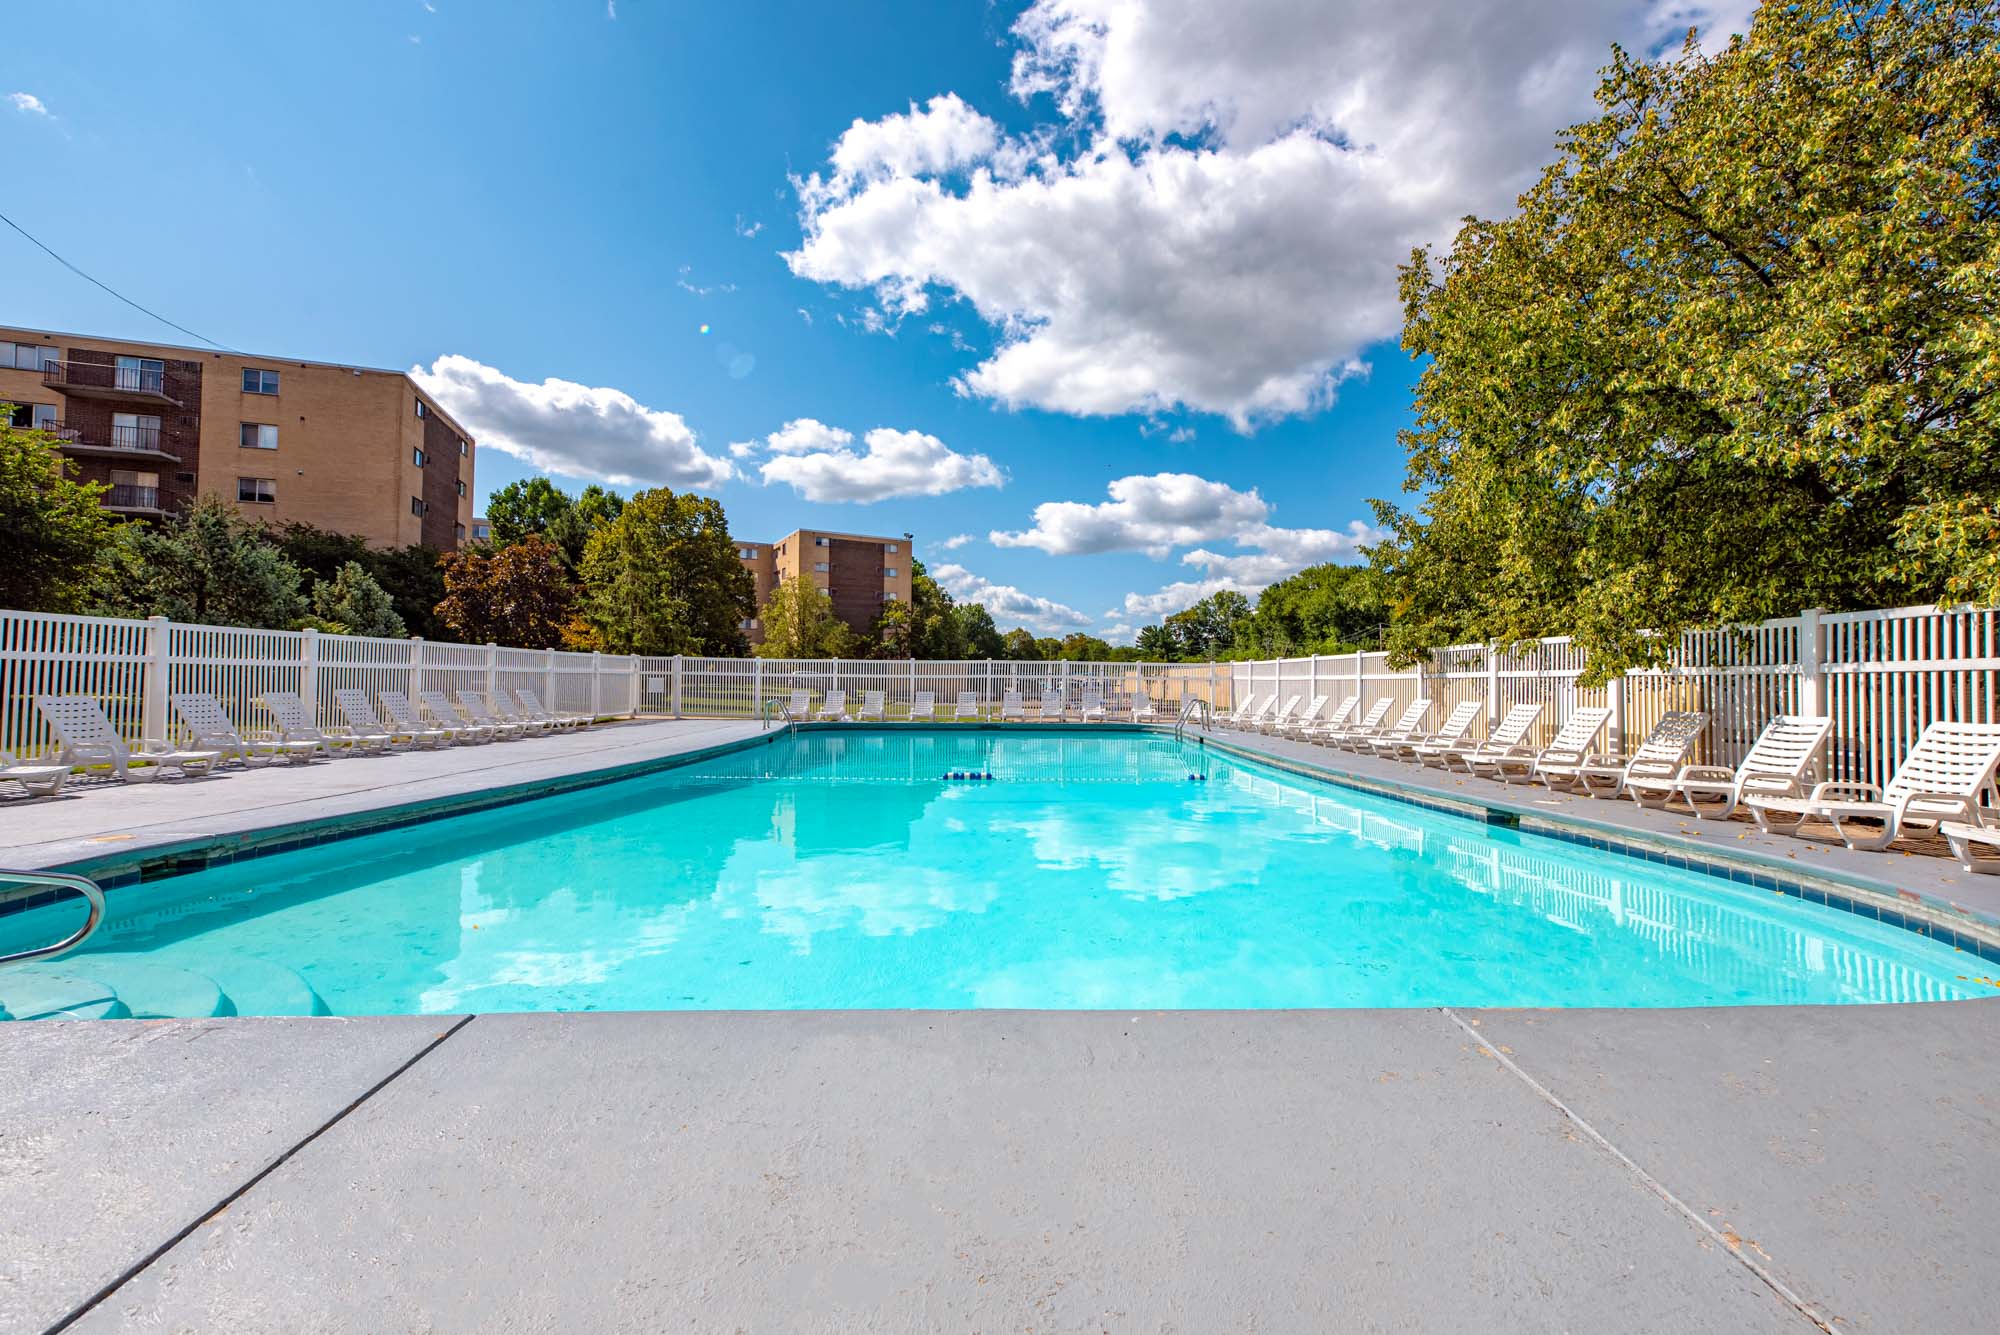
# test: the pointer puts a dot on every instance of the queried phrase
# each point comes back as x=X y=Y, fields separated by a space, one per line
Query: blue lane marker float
x=957 y=775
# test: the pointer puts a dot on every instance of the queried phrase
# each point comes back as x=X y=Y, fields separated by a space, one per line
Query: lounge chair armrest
x=1708 y=773
x=1966 y=806
x=1840 y=790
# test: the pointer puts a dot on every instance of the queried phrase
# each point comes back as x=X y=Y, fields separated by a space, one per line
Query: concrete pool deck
x=1781 y=1169
x=1700 y=1170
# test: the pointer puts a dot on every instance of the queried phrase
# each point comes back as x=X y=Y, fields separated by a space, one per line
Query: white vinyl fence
x=132 y=666
x=1881 y=676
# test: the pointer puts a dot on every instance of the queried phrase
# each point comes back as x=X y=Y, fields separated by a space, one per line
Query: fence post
x=1312 y=676
x=492 y=672
x=1063 y=679
x=833 y=677
x=1492 y=685
x=416 y=667
x=1211 y=687
x=1614 y=695
x=1812 y=655
x=153 y=704
x=549 y=680
x=1359 y=703
x=757 y=688
x=309 y=671
x=596 y=683
x=677 y=686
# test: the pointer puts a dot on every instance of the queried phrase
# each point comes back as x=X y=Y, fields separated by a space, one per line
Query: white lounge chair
x=361 y=719
x=531 y=704
x=1572 y=742
x=1661 y=755
x=1012 y=707
x=1052 y=705
x=967 y=706
x=1514 y=725
x=473 y=705
x=1092 y=707
x=1409 y=726
x=833 y=707
x=39 y=780
x=1940 y=779
x=295 y=724
x=500 y=705
x=1964 y=836
x=1272 y=722
x=1144 y=710
x=444 y=712
x=923 y=708
x=1340 y=718
x=209 y=729
x=1778 y=765
x=403 y=715
x=88 y=739
x=799 y=708
x=1303 y=719
x=874 y=707
x=1251 y=719
x=1369 y=726
x=1252 y=705
x=1450 y=733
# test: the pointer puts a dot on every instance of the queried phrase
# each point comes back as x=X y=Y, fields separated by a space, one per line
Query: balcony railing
x=125 y=496
x=109 y=381
x=136 y=439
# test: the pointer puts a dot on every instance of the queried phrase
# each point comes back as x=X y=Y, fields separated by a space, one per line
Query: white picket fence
x=1881 y=676
x=133 y=666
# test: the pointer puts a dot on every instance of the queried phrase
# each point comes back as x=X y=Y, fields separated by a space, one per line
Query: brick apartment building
x=346 y=448
x=858 y=573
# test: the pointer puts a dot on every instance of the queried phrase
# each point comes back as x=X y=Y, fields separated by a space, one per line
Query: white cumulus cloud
x=1211 y=214
x=29 y=103
x=1273 y=554
x=1151 y=513
x=578 y=430
x=821 y=464
x=952 y=543
x=1010 y=606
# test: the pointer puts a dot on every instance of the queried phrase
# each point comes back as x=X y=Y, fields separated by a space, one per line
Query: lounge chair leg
x=1866 y=843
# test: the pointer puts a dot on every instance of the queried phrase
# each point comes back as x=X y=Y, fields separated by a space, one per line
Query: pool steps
x=113 y=986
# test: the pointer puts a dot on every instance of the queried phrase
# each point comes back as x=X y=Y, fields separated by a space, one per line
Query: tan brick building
x=347 y=448
x=859 y=573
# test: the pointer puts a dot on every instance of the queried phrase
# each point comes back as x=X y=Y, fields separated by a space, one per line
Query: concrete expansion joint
x=140 y=1266
x=1791 y=1297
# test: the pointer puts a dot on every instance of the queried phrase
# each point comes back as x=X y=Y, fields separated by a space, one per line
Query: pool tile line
x=139 y=1266
x=200 y=852
x=1887 y=904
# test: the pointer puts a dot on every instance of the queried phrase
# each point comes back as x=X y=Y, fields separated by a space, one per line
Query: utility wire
x=113 y=291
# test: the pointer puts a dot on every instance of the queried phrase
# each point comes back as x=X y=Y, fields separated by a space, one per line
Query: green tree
x=890 y=637
x=1324 y=609
x=1733 y=356
x=208 y=565
x=1081 y=648
x=935 y=632
x=1019 y=645
x=799 y=622
x=664 y=578
x=354 y=604
x=592 y=510
x=1048 y=648
x=1157 y=644
x=1208 y=629
x=976 y=631
x=519 y=595
x=409 y=575
x=53 y=533
x=527 y=508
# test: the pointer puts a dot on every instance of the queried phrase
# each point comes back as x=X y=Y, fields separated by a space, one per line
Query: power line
x=113 y=291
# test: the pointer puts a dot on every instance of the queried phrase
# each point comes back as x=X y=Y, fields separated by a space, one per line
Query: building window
x=260 y=382
x=463 y=449
x=259 y=436
x=821 y=542
x=458 y=532
x=461 y=486
x=481 y=530
x=257 y=490
x=746 y=553
x=820 y=566
x=135 y=431
x=40 y=416
x=889 y=547
x=418 y=507
x=888 y=595
x=145 y=374
x=27 y=356
x=888 y=572
x=417 y=457
x=421 y=410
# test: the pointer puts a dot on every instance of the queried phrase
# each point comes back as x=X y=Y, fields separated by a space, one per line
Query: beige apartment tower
x=346 y=448
x=859 y=573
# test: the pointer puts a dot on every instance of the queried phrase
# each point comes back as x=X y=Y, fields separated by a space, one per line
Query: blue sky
x=1131 y=260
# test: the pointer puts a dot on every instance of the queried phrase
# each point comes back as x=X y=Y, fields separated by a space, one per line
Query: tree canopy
x=53 y=532
x=1735 y=354
x=518 y=595
x=352 y=603
x=663 y=578
x=207 y=564
x=799 y=622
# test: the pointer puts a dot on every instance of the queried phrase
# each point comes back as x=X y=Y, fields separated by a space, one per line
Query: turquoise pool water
x=840 y=870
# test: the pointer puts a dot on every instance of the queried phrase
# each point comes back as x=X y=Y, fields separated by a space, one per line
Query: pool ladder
x=1195 y=705
x=765 y=712
x=21 y=884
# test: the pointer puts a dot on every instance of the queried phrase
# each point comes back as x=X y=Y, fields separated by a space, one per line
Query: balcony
x=114 y=442
x=87 y=380
x=133 y=499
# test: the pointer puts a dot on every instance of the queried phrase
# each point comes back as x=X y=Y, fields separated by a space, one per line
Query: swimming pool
x=842 y=869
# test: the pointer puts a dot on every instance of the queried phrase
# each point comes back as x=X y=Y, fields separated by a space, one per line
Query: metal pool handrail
x=29 y=882
x=1195 y=704
x=765 y=713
